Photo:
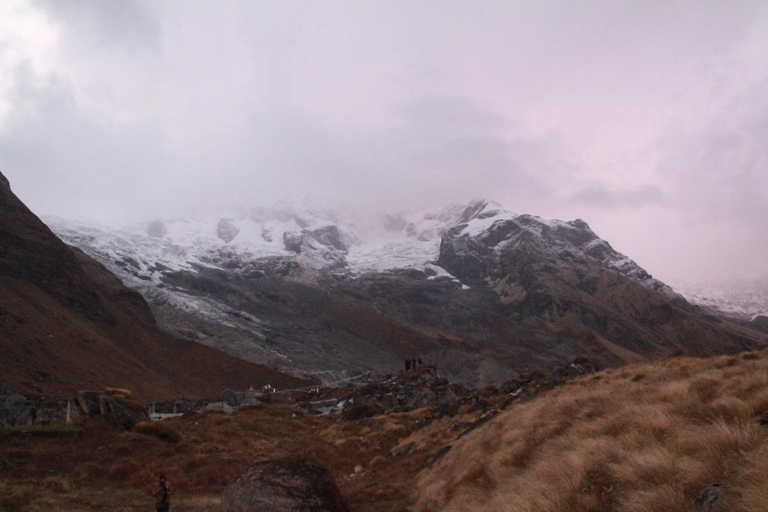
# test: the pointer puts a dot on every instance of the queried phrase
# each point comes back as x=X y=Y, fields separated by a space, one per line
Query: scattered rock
x=403 y=449
x=325 y=406
x=462 y=425
x=283 y=486
x=17 y=416
x=219 y=406
x=709 y=496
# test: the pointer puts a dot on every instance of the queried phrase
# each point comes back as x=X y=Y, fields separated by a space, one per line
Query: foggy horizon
x=647 y=120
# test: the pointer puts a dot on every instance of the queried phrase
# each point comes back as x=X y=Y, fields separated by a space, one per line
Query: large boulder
x=89 y=402
x=117 y=409
x=122 y=411
x=283 y=486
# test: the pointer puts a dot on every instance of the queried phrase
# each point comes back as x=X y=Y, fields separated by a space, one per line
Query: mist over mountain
x=473 y=288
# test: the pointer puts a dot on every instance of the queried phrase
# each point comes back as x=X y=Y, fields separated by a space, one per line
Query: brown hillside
x=67 y=323
x=681 y=435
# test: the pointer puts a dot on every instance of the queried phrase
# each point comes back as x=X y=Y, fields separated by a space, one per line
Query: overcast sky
x=647 y=119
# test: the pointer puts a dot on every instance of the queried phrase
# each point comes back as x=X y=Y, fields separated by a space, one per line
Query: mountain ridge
x=473 y=287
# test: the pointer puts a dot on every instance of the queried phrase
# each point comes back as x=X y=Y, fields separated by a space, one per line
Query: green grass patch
x=52 y=430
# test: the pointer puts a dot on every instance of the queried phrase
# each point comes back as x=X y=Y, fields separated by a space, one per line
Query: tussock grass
x=643 y=438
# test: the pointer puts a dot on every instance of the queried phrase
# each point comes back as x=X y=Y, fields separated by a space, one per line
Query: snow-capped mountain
x=741 y=299
x=318 y=240
x=313 y=291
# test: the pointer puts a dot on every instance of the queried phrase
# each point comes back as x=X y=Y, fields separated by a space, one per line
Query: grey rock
x=219 y=406
x=293 y=241
x=230 y=398
x=226 y=231
x=424 y=397
x=14 y=399
x=283 y=486
x=709 y=496
x=17 y=416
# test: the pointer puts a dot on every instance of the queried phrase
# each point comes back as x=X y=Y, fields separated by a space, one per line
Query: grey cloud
x=551 y=108
x=719 y=172
x=69 y=163
x=456 y=114
x=128 y=24
x=610 y=198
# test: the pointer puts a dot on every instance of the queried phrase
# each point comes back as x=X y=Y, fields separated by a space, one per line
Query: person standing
x=162 y=493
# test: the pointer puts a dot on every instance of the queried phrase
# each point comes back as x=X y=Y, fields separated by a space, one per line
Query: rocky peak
x=476 y=247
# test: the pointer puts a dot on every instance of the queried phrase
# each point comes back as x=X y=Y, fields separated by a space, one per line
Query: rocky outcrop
x=226 y=231
x=414 y=389
x=117 y=409
x=283 y=486
x=15 y=411
x=321 y=248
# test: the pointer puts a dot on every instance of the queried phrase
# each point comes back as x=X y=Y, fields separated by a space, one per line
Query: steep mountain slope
x=67 y=323
x=577 y=285
x=474 y=289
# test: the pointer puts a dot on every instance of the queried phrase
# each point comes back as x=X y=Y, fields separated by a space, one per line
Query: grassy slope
x=642 y=438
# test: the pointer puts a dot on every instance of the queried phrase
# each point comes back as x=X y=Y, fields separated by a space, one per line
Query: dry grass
x=644 y=438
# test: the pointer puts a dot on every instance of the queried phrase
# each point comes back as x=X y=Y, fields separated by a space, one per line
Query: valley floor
x=683 y=434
